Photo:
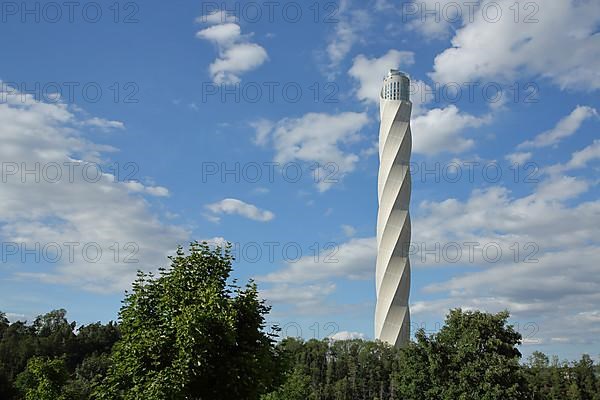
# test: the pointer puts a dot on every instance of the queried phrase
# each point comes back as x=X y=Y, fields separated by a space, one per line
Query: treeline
x=191 y=333
x=359 y=369
x=55 y=354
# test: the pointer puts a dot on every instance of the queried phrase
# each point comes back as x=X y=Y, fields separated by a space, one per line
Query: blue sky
x=198 y=97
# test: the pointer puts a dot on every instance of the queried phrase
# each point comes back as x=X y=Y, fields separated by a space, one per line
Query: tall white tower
x=392 y=317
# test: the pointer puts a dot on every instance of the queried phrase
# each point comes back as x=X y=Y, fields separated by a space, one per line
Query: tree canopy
x=191 y=334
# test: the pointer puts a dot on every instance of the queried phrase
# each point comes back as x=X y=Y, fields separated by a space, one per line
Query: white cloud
x=262 y=127
x=349 y=230
x=369 y=72
x=219 y=241
x=345 y=335
x=260 y=190
x=84 y=205
x=238 y=207
x=223 y=35
x=579 y=159
x=158 y=191
x=308 y=293
x=433 y=19
x=350 y=27
x=104 y=124
x=316 y=137
x=354 y=259
x=237 y=54
x=565 y=127
x=518 y=158
x=307 y=299
x=506 y=50
x=434 y=131
x=441 y=130
x=236 y=60
x=137 y=187
x=216 y=17
x=556 y=288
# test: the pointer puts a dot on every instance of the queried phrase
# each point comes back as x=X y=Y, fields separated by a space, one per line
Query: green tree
x=473 y=357
x=43 y=379
x=17 y=345
x=585 y=378
x=538 y=375
x=4 y=323
x=296 y=387
x=189 y=334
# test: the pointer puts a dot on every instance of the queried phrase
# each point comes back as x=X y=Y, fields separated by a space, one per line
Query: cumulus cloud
x=104 y=124
x=369 y=72
x=237 y=54
x=435 y=130
x=349 y=230
x=223 y=35
x=217 y=17
x=345 y=335
x=315 y=137
x=442 y=130
x=354 y=259
x=305 y=299
x=534 y=45
x=306 y=284
x=433 y=19
x=137 y=187
x=579 y=159
x=519 y=157
x=549 y=247
x=71 y=200
x=349 y=28
x=237 y=207
x=565 y=128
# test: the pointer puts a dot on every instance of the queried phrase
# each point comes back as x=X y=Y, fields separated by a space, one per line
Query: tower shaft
x=392 y=316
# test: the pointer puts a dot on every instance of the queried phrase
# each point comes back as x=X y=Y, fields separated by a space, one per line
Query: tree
x=335 y=369
x=17 y=345
x=473 y=357
x=43 y=379
x=538 y=375
x=420 y=372
x=4 y=323
x=54 y=334
x=189 y=334
x=585 y=378
x=296 y=387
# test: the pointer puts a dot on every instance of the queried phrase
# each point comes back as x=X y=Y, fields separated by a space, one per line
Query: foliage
x=29 y=354
x=189 y=334
x=43 y=379
x=473 y=357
